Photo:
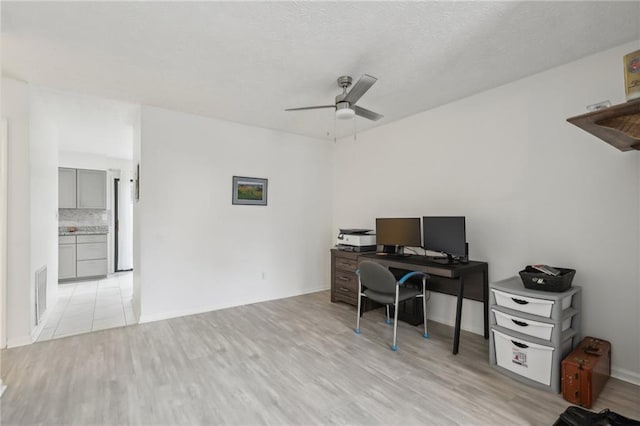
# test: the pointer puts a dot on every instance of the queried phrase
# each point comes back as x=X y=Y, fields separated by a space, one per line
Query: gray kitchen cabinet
x=66 y=258
x=82 y=189
x=91 y=189
x=82 y=256
x=66 y=188
x=91 y=251
x=92 y=268
x=91 y=255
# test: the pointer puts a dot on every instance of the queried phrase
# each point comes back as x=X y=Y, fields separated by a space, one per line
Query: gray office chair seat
x=377 y=283
x=404 y=293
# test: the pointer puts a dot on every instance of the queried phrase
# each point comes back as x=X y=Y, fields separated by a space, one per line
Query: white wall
x=3 y=234
x=32 y=206
x=43 y=165
x=3 y=238
x=198 y=252
x=85 y=160
x=137 y=264
x=532 y=187
x=637 y=310
x=15 y=107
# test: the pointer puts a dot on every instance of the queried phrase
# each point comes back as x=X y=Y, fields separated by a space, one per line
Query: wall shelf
x=618 y=125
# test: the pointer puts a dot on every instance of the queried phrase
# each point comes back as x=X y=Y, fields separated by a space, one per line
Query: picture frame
x=249 y=191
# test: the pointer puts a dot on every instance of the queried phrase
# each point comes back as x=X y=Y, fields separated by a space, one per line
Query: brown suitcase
x=585 y=371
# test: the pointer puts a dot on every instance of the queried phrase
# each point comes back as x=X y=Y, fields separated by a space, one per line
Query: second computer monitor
x=445 y=234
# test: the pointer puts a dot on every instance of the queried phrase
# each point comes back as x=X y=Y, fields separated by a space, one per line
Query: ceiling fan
x=345 y=105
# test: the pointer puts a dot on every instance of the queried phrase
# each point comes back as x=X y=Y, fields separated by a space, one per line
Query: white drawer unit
x=531 y=305
x=532 y=331
x=538 y=329
x=523 y=357
x=526 y=358
x=530 y=327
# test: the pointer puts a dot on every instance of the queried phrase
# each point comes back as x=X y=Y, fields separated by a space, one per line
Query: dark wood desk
x=465 y=281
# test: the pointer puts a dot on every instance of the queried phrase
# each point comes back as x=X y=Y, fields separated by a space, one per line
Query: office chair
x=381 y=286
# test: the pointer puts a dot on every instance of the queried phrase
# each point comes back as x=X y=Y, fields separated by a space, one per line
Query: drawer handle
x=519 y=301
x=343 y=278
x=344 y=289
x=520 y=323
x=520 y=345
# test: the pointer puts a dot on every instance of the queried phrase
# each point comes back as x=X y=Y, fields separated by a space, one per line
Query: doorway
x=123 y=221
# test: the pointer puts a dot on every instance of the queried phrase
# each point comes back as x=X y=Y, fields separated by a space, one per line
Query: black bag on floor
x=577 y=416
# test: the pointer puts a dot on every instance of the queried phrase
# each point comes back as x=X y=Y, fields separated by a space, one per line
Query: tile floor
x=90 y=306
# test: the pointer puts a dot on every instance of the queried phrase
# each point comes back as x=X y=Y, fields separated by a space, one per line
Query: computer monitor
x=396 y=233
x=446 y=235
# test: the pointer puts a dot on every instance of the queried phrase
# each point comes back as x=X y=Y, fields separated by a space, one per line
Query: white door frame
x=3 y=238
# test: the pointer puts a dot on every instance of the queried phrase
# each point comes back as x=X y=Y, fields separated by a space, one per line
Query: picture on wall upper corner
x=249 y=191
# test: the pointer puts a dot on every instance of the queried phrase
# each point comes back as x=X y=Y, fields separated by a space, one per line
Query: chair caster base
x=394 y=348
x=356 y=330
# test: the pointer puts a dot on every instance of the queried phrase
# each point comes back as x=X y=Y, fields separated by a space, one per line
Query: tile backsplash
x=83 y=217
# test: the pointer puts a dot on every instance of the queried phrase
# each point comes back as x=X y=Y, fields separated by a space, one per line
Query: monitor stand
x=397 y=251
x=448 y=261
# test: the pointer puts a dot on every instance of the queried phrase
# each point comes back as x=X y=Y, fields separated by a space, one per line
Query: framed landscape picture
x=249 y=191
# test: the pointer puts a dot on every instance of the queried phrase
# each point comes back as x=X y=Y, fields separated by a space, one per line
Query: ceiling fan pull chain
x=355 y=131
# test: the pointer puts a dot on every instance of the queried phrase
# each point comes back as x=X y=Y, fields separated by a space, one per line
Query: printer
x=357 y=240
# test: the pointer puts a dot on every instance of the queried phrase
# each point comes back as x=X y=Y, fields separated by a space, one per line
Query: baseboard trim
x=474 y=330
x=626 y=375
x=35 y=333
x=19 y=341
x=209 y=308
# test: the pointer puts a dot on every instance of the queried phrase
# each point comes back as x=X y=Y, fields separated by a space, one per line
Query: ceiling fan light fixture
x=344 y=111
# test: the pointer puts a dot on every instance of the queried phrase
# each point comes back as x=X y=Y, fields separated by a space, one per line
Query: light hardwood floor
x=291 y=361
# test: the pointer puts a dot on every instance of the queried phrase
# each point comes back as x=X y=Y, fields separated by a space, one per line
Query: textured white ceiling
x=248 y=61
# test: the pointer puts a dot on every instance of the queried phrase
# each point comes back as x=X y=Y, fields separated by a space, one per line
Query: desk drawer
x=346 y=284
x=346 y=298
x=346 y=264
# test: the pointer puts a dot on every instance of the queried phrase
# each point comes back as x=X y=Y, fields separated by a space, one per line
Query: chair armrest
x=412 y=274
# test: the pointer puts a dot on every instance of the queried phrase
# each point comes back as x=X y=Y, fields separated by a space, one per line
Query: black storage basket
x=536 y=280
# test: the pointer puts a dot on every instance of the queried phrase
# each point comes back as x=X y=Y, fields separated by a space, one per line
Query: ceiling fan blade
x=311 y=107
x=359 y=89
x=363 y=112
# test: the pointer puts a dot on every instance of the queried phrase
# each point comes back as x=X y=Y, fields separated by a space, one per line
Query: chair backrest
x=377 y=277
